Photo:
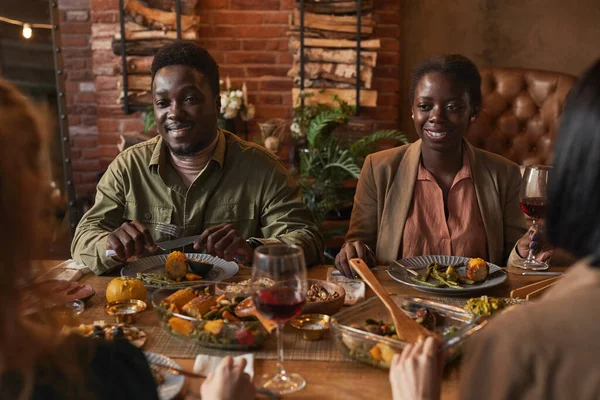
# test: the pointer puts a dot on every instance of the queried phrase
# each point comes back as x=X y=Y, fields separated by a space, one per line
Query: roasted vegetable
x=230 y=317
x=176 y=265
x=484 y=306
x=199 y=306
x=181 y=326
x=452 y=274
x=180 y=298
x=426 y=318
x=192 y=277
x=477 y=270
x=125 y=288
x=214 y=327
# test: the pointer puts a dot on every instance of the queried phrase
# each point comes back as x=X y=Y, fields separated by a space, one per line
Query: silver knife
x=545 y=273
x=168 y=245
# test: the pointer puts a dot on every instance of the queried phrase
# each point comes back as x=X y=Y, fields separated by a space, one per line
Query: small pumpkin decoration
x=126 y=288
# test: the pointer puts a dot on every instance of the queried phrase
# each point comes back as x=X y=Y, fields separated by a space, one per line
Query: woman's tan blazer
x=385 y=191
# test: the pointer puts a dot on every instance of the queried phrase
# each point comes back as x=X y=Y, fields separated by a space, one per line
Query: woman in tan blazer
x=482 y=217
x=548 y=349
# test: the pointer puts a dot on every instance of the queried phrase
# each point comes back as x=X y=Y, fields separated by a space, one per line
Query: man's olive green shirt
x=243 y=185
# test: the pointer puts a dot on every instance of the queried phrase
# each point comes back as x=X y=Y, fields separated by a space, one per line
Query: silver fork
x=169 y=229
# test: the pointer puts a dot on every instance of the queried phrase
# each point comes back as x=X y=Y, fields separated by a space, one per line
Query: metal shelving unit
x=358 y=38
x=127 y=107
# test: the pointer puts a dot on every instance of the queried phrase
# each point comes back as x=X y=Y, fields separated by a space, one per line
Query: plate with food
x=168 y=384
x=206 y=314
x=179 y=270
x=447 y=274
x=102 y=330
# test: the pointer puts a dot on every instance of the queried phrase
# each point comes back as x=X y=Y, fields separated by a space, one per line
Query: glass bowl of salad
x=205 y=315
x=367 y=334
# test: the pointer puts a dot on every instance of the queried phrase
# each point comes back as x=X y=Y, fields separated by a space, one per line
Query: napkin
x=205 y=364
x=69 y=270
x=355 y=288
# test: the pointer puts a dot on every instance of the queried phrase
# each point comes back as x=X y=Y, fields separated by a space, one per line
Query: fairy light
x=27 y=27
x=27 y=31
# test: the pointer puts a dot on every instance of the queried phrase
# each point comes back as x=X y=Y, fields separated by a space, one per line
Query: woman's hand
x=534 y=239
x=416 y=373
x=350 y=250
x=228 y=382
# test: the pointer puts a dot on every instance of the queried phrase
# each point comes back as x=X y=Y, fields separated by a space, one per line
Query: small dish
x=67 y=314
x=328 y=307
x=200 y=267
x=312 y=326
x=125 y=311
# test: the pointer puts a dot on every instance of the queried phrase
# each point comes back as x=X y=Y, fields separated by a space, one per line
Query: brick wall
x=246 y=37
x=75 y=27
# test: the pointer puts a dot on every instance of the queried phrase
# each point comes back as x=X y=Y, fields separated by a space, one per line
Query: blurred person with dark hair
x=193 y=175
x=548 y=349
x=439 y=195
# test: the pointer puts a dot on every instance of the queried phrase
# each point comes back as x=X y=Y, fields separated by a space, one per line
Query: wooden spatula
x=246 y=308
x=406 y=328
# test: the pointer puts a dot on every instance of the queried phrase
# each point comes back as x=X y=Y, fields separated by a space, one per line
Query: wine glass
x=533 y=203
x=279 y=292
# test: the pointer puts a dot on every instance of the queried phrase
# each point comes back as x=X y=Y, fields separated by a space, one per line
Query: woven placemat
x=295 y=348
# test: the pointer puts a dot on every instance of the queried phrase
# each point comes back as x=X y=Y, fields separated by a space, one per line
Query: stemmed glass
x=533 y=203
x=279 y=293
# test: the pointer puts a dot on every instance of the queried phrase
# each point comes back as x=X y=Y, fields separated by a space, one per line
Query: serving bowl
x=328 y=307
x=454 y=324
x=217 y=327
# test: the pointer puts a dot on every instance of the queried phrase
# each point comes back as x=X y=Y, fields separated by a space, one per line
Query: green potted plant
x=328 y=162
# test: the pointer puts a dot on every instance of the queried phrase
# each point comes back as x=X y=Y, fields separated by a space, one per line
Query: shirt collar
x=218 y=155
x=464 y=173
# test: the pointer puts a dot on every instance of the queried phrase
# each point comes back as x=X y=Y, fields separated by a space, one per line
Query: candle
x=245 y=93
x=227 y=83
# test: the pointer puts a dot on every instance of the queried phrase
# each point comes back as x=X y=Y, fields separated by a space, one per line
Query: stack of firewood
x=330 y=51
x=146 y=30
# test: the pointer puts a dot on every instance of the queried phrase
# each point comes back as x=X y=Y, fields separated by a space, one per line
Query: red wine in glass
x=534 y=207
x=279 y=304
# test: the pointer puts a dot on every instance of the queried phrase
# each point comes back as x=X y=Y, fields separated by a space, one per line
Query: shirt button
x=148 y=215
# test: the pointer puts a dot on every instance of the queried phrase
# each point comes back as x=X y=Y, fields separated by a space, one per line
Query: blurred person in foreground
x=36 y=360
x=548 y=349
x=234 y=193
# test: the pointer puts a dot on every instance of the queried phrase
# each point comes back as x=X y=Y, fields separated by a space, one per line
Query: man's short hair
x=184 y=52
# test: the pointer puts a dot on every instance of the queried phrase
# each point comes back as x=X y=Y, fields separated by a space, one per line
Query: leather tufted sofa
x=520 y=113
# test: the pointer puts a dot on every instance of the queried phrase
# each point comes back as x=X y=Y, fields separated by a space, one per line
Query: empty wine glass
x=533 y=203
x=279 y=293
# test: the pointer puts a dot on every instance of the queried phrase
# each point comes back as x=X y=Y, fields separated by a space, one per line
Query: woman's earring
x=472 y=118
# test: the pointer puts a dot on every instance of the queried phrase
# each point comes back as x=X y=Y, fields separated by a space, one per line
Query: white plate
x=496 y=276
x=173 y=383
x=221 y=269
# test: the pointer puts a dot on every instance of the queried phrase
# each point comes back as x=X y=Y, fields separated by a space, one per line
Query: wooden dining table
x=325 y=380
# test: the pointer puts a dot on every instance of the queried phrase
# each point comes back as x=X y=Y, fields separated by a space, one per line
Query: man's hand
x=228 y=382
x=350 y=250
x=131 y=239
x=224 y=241
x=534 y=240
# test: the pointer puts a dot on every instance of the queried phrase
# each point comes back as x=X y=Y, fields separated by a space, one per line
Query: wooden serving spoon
x=246 y=308
x=406 y=328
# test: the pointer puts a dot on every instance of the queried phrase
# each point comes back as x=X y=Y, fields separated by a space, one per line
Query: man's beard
x=186 y=151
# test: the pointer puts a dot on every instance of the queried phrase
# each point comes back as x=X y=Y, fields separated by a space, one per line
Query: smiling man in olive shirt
x=193 y=175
